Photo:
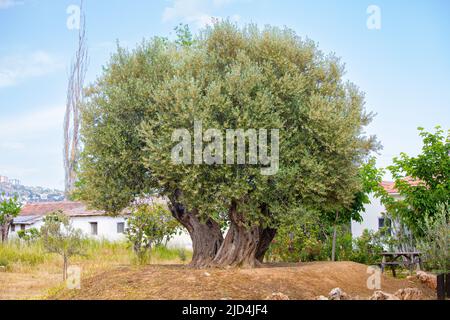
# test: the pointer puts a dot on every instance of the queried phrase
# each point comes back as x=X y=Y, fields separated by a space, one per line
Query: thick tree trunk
x=243 y=246
x=206 y=236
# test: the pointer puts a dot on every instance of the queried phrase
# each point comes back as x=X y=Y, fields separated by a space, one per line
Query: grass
x=15 y=255
x=21 y=263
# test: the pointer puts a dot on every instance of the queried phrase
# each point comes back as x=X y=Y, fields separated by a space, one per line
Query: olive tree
x=60 y=237
x=226 y=79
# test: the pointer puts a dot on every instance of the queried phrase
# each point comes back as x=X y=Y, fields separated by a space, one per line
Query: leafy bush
x=367 y=248
x=28 y=235
x=149 y=225
x=297 y=239
x=435 y=245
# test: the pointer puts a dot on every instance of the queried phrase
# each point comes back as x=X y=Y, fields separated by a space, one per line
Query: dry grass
x=110 y=271
x=298 y=281
x=28 y=272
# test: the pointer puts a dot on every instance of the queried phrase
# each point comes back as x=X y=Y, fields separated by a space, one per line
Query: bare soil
x=297 y=281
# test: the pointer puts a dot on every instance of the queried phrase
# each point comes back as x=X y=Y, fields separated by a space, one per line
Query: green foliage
x=9 y=209
x=367 y=248
x=29 y=235
x=184 y=35
x=289 y=246
x=226 y=78
x=423 y=181
x=149 y=225
x=182 y=254
x=15 y=252
x=435 y=244
x=369 y=178
x=59 y=236
x=298 y=239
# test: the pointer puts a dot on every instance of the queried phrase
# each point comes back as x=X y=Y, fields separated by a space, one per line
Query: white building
x=95 y=224
x=373 y=218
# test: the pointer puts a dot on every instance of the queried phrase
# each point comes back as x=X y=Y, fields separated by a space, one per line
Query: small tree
x=60 y=237
x=369 y=178
x=422 y=181
x=149 y=225
x=9 y=209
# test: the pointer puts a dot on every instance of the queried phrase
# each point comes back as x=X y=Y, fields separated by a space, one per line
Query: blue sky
x=403 y=67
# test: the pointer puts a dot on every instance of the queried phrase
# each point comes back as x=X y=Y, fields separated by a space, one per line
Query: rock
x=277 y=296
x=321 y=298
x=207 y=274
x=411 y=278
x=337 y=294
x=409 y=294
x=428 y=279
x=380 y=295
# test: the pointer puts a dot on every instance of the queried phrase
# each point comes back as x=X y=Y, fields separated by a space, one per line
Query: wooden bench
x=408 y=260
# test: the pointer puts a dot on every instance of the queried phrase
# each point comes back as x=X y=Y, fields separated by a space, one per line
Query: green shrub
x=367 y=248
x=435 y=244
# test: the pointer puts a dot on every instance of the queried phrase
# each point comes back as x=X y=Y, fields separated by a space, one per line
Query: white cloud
x=197 y=12
x=14 y=129
x=5 y=4
x=11 y=146
x=14 y=69
x=31 y=146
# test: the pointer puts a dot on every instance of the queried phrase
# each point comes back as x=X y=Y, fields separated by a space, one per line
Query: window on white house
x=22 y=227
x=380 y=223
x=13 y=227
x=94 y=228
x=386 y=224
x=120 y=227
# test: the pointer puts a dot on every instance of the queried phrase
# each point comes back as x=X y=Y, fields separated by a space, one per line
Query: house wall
x=373 y=211
x=107 y=230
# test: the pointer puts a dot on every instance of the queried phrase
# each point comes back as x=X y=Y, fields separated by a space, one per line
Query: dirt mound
x=297 y=281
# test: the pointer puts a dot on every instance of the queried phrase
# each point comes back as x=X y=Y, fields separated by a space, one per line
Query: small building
x=373 y=217
x=93 y=223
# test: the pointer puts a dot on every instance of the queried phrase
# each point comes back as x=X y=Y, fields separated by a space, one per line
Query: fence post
x=447 y=285
x=440 y=289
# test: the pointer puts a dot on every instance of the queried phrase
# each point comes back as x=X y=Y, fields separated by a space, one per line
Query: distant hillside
x=31 y=194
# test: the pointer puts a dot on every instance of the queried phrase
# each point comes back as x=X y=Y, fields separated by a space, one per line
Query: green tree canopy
x=225 y=78
x=423 y=181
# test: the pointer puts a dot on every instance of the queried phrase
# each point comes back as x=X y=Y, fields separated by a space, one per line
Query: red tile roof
x=70 y=208
x=389 y=186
